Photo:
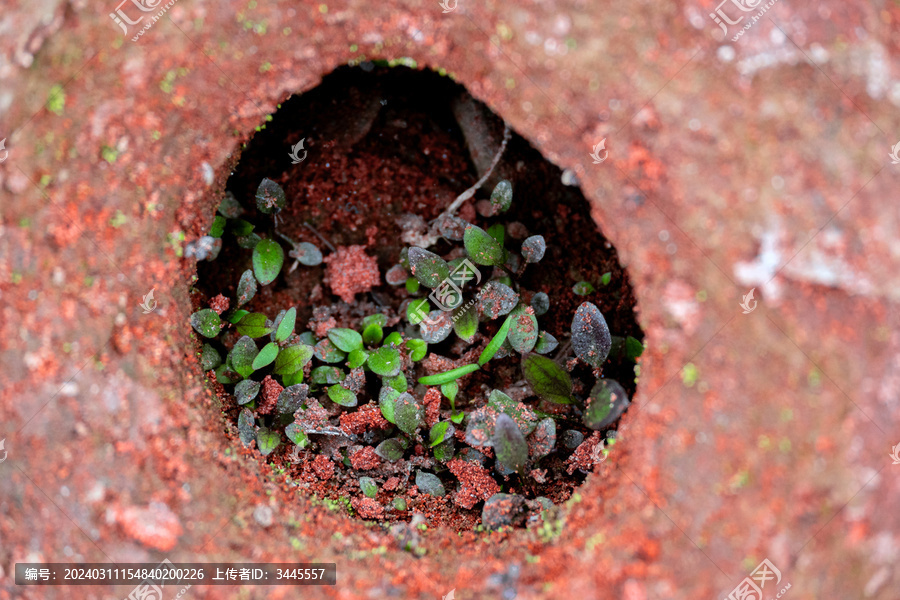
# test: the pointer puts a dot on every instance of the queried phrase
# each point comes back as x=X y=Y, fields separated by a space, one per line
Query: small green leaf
x=399 y=382
x=501 y=197
x=444 y=451
x=387 y=399
x=327 y=352
x=605 y=278
x=268 y=257
x=465 y=323
x=583 y=288
x=226 y=375
x=206 y=322
x=345 y=339
x=307 y=254
x=398 y=503
x=234 y=317
x=533 y=249
x=341 y=395
x=385 y=362
x=242 y=356
x=605 y=405
x=292 y=378
x=270 y=197
x=286 y=327
x=265 y=356
x=308 y=338
x=491 y=349
x=496 y=299
x=326 y=375
x=412 y=285
x=546 y=343
x=218 y=227
x=249 y=242
x=357 y=358
x=246 y=390
x=390 y=449
x=448 y=376
x=440 y=432
x=394 y=340
x=368 y=487
x=292 y=359
x=254 y=325
x=523 y=332
x=408 y=413
x=482 y=248
x=267 y=440
x=372 y=334
x=548 y=379
x=458 y=417
x=428 y=483
x=247 y=426
x=429 y=268
x=246 y=288
x=241 y=228
x=209 y=358
x=521 y=414
x=229 y=206
x=291 y=399
x=590 y=335
x=450 y=390
x=509 y=444
x=540 y=302
x=417 y=349
x=633 y=347
x=297 y=435
x=498 y=232
x=376 y=319
x=417 y=310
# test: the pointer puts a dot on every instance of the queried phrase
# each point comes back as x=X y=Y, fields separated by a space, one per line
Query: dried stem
x=471 y=191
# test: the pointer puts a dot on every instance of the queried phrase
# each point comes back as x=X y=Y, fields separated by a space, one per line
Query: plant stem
x=471 y=191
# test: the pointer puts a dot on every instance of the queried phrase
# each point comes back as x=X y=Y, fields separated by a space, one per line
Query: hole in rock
x=324 y=257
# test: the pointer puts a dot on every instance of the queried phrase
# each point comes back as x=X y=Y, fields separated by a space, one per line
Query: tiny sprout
x=583 y=288
x=590 y=335
x=268 y=257
x=540 y=302
x=368 y=486
x=428 y=483
x=533 y=248
x=270 y=197
x=501 y=197
x=606 y=278
x=206 y=322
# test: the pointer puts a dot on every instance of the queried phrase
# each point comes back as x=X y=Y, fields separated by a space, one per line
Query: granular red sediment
x=322 y=467
x=475 y=483
x=391 y=484
x=268 y=395
x=367 y=417
x=367 y=508
x=351 y=271
x=220 y=304
x=365 y=459
x=432 y=402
